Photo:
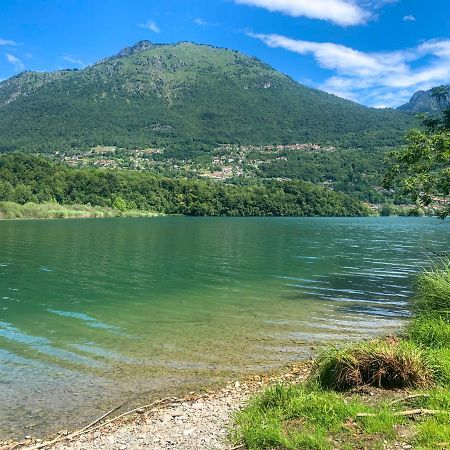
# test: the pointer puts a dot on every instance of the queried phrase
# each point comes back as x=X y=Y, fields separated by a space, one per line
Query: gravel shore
x=196 y=422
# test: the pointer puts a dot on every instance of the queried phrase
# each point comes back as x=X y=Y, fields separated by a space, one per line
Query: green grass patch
x=433 y=291
x=305 y=417
x=300 y=417
x=431 y=331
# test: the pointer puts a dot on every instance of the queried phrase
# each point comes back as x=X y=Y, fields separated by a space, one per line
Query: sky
x=374 y=52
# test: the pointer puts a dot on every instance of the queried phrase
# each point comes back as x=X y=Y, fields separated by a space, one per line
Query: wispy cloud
x=8 y=42
x=409 y=18
x=376 y=79
x=15 y=61
x=74 y=60
x=150 y=25
x=340 y=12
x=200 y=22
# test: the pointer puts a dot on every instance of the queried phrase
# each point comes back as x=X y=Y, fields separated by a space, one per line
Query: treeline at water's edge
x=25 y=179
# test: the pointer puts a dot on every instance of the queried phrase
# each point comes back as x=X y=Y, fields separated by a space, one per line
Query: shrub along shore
x=385 y=394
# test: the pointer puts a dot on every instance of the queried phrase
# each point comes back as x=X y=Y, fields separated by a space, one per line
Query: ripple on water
x=109 y=308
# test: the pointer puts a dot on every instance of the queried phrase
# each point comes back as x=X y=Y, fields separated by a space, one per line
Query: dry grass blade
x=409 y=397
x=409 y=412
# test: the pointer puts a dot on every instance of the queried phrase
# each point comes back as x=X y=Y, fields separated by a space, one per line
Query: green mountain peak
x=181 y=94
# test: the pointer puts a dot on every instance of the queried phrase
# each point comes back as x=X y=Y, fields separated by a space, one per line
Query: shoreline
x=202 y=419
x=49 y=211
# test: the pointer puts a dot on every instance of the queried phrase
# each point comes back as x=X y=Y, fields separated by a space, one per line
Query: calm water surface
x=93 y=312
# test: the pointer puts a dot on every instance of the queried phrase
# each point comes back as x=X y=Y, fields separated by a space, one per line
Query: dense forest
x=26 y=178
x=182 y=96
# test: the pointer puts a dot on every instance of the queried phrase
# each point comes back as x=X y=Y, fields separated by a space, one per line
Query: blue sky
x=376 y=52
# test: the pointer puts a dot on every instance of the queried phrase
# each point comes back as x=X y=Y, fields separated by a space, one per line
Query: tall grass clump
x=433 y=291
x=430 y=331
x=381 y=363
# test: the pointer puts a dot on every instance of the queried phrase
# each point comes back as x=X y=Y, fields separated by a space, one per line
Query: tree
x=421 y=168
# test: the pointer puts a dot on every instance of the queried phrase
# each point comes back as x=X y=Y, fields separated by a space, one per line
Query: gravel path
x=197 y=422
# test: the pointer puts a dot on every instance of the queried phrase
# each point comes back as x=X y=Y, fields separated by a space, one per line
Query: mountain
x=183 y=95
x=424 y=102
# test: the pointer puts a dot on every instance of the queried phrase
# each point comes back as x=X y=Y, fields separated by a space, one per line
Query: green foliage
x=182 y=96
x=26 y=179
x=356 y=172
x=421 y=169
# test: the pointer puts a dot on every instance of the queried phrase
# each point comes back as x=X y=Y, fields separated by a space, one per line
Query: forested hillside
x=37 y=179
x=181 y=96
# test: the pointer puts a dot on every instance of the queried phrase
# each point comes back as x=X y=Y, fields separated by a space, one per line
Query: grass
x=11 y=210
x=382 y=363
x=323 y=413
x=306 y=417
x=433 y=291
x=430 y=331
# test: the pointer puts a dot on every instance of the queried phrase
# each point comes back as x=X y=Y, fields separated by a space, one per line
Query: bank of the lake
x=95 y=312
x=14 y=211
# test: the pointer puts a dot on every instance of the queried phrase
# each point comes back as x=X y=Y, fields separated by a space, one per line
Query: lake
x=95 y=312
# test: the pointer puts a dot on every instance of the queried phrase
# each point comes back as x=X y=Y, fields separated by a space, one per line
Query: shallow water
x=93 y=312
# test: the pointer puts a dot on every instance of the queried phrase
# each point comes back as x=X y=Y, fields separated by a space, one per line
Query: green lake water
x=96 y=312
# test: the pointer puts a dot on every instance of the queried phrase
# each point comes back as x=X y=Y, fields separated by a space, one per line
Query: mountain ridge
x=180 y=94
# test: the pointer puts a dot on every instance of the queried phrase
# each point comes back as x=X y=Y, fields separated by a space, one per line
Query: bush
x=380 y=363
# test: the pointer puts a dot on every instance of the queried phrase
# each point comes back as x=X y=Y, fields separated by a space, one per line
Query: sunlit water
x=95 y=312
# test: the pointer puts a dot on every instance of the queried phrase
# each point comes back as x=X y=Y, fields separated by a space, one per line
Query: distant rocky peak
x=140 y=46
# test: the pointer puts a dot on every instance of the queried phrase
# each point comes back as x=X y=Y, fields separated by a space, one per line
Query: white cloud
x=150 y=25
x=409 y=18
x=15 y=61
x=379 y=78
x=340 y=12
x=8 y=42
x=74 y=60
x=199 y=21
